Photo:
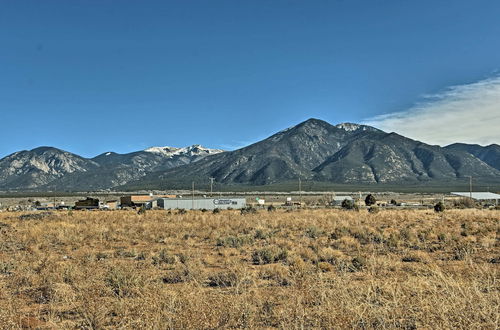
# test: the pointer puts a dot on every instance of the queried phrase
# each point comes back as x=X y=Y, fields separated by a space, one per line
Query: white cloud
x=464 y=113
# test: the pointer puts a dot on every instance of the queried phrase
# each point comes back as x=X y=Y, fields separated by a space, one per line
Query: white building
x=202 y=203
x=479 y=196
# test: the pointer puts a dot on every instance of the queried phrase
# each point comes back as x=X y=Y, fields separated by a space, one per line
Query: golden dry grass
x=304 y=269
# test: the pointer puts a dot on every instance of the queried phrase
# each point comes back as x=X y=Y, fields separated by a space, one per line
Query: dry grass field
x=302 y=269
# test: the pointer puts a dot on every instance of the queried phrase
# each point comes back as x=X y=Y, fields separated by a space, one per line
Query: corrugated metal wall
x=202 y=203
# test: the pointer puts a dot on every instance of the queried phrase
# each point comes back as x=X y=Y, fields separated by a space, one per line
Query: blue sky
x=95 y=76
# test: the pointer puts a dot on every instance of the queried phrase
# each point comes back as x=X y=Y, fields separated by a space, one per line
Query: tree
x=439 y=207
x=370 y=200
x=348 y=204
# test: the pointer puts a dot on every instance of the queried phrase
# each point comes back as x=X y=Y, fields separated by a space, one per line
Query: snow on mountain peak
x=195 y=149
x=349 y=127
x=166 y=151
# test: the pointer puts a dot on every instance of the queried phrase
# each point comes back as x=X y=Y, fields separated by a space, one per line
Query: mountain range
x=313 y=150
x=48 y=168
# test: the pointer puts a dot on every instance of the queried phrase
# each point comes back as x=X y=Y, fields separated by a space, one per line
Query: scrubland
x=301 y=269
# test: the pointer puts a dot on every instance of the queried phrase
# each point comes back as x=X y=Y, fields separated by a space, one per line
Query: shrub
x=494 y=261
x=142 y=210
x=370 y=200
x=271 y=208
x=35 y=216
x=442 y=237
x=6 y=268
x=123 y=283
x=373 y=209
x=261 y=234
x=279 y=274
x=313 y=232
x=463 y=203
x=439 y=207
x=248 y=210
x=183 y=258
x=463 y=251
x=176 y=276
x=325 y=267
x=339 y=232
x=349 y=205
x=223 y=279
x=163 y=257
x=330 y=255
x=269 y=255
x=411 y=258
x=358 y=263
x=234 y=241
x=216 y=210
x=125 y=254
x=42 y=294
x=100 y=255
x=393 y=202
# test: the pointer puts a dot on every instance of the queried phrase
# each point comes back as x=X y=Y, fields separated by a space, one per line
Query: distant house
x=479 y=196
x=147 y=201
x=337 y=200
x=44 y=206
x=88 y=203
x=111 y=205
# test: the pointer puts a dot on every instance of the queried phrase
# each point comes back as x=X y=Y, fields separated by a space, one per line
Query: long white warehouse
x=202 y=203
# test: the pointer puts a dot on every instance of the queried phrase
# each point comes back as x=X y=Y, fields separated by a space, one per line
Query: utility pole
x=211 y=186
x=55 y=197
x=300 y=192
x=470 y=186
x=192 y=197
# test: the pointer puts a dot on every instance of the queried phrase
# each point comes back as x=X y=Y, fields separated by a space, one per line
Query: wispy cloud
x=464 y=113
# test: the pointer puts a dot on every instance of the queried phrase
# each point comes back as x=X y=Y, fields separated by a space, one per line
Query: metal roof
x=201 y=198
x=341 y=198
x=478 y=195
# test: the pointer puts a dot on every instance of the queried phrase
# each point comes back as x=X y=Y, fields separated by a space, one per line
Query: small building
x=45 y=206
x=135 y=200
x=88 y=203
x=147 y=201
x=337 y=200
x=479 y=196
x=111 y=205
x=202 y=203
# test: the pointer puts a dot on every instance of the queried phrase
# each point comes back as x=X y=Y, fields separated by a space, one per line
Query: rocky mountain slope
x=40 y=167
x=392 y=158
x=314 y=150
x=345 y=153
x=49 y=168
x=489 y=154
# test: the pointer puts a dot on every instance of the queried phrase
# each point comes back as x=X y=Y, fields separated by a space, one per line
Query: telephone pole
x=300 y=192
x=211 y=186
x=470 y=186
x=192 y=197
